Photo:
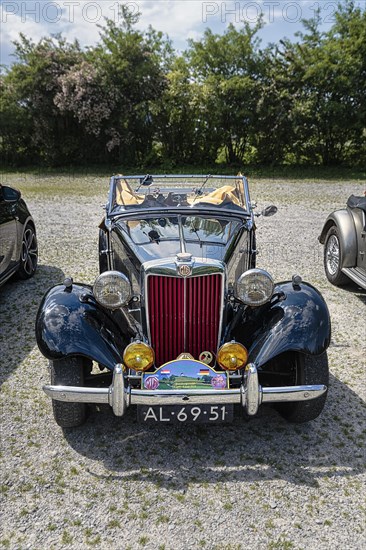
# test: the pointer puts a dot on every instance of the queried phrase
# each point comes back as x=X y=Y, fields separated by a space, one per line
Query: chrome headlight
x=255 y=287
x=112 y=289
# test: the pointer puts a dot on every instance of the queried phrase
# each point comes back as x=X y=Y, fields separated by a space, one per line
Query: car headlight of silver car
x=112 y=289
x=255 y=287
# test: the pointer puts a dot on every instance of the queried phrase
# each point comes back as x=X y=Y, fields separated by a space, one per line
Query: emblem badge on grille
x=184 y=270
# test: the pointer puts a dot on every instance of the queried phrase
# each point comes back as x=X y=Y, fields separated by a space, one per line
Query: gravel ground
x=116 y=484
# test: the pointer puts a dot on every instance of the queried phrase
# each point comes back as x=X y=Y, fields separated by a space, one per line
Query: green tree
x=326 y=78
x=29 y=89
x=228 y=66
x=135 y=65
x=273 y=124
x=15 y=128
x=184 y=118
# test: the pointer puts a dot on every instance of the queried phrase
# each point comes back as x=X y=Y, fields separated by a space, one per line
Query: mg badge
x=185 y=270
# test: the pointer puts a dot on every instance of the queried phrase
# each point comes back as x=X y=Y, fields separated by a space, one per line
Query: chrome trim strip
x=111 y=195
x=181 y=176
x=185 y=315
x=167 y=267
x=181 y=234
x=252 y=391
x=292 y=393
x=77 y=394
x=117 y=397
x=247 y=196
x=224 y=284
x=144 y=397
x=356 y=275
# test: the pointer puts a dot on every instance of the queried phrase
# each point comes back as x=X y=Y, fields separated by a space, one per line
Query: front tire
x=333 y=258
x=28 y=253
x=68 y=372
x=308 y=369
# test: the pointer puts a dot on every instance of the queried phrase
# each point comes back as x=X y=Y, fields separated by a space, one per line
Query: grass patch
x=91 y=182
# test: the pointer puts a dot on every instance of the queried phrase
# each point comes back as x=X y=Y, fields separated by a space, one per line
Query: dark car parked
x=344 y=239
x=18 y=241
x=180 y=322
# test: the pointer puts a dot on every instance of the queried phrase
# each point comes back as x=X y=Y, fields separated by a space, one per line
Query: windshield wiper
x=194 y=230
x=199 y=191
x=147 y=180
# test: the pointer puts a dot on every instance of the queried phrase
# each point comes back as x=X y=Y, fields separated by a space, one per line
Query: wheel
x=333 y=258
x=68 y=372
x=28 y=253
x=306 y=369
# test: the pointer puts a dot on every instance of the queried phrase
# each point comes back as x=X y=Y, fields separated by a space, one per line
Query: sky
x=179 y=19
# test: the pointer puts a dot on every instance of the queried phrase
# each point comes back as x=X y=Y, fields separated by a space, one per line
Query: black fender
x=299 y=322
x=70 y=322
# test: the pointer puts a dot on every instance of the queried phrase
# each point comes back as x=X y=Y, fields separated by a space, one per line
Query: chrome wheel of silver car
x=29 y=253
x=333 y=255
x=333 y=258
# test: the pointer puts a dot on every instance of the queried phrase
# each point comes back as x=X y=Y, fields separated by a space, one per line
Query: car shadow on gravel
x=19 y=301
x=265 y=447
x=352 y=288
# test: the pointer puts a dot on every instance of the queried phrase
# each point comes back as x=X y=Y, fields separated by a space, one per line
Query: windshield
x=207 y=230
x=181 y=192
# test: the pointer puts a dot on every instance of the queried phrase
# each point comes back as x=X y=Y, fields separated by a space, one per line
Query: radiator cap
x=184 y=256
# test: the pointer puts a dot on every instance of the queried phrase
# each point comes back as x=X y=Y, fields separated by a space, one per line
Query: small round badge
x=151 y=383
x=185 y=270
x=218 y=382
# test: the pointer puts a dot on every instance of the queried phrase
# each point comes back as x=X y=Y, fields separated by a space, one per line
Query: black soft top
x=357 y=202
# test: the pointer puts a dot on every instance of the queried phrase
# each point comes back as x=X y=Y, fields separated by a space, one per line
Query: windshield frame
x=115 y=210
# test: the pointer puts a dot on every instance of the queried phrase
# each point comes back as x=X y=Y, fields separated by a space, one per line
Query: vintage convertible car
x=18 y=241
x=344 y=239
x=180 y=322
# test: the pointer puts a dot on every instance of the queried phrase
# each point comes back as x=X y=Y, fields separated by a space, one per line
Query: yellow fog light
x=138 y=356
x=232 y=356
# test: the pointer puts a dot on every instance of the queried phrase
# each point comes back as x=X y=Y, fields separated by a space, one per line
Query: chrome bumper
x=119 y=396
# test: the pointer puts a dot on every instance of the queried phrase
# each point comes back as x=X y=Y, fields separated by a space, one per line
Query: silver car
x=344 y=239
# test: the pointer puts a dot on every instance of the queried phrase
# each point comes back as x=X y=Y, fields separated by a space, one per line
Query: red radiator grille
x=184 y=315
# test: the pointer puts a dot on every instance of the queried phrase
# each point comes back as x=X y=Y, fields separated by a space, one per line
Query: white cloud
x=80 y=19
x=180 y=19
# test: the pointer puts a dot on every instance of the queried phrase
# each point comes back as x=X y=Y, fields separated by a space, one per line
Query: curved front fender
x=344 y=221
x=70 y=323
x=300 y=322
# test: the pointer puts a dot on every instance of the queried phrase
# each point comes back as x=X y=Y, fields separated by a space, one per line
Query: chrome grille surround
x=170 y=268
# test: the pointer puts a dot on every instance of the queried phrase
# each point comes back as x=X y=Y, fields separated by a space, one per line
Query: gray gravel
x=116 y=484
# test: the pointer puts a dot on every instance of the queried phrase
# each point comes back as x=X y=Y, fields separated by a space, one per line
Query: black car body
x=344 y=239
x=18 y=241
x=179 y=321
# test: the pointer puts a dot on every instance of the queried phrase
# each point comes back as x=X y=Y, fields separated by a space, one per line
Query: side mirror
x=10 y=194
x=269 y=210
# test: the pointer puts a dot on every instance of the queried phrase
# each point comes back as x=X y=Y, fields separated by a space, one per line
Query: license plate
x=188 y=414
